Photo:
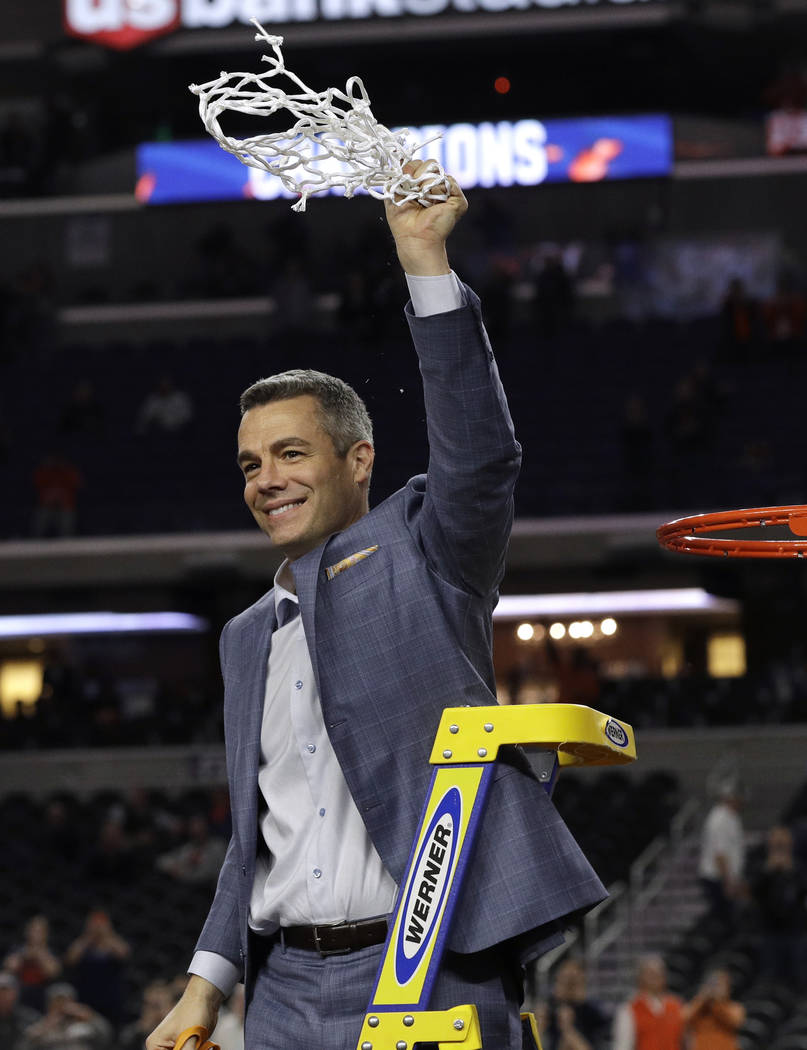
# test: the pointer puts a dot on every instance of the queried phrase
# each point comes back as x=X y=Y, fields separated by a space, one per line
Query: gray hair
x=342 y=413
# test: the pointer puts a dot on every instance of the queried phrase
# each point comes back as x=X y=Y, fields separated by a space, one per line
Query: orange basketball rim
x=694 y=534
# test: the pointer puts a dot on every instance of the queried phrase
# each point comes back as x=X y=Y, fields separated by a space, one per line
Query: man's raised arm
x=474 y=457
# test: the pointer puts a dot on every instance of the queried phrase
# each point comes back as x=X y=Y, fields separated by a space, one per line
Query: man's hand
x=421 y=233
x=199 y=1005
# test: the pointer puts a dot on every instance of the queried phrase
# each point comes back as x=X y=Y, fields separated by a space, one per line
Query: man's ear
x=362 y=455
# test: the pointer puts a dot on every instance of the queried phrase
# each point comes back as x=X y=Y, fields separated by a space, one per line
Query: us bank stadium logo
x=428 y=886
x=125 y=24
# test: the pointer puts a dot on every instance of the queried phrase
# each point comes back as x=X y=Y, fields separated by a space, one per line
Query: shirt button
x=311 y=748
x=298 y=685
x=322 y=812
x=316 y=873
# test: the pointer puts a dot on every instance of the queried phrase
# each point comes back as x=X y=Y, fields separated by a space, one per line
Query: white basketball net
x=335 y=140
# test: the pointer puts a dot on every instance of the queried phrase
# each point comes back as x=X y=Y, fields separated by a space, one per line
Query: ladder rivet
x=409 y=1020
x=373 y=1022
x=453 y=729
x=459 y=1024
x=447 y=753
x=482 y=752
x=488 y=727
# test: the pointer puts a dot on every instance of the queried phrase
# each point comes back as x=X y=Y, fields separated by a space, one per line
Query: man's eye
x=249 y=467
x=291 y=453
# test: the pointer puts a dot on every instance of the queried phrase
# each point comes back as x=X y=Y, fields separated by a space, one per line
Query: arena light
x=48 y=624
x=608 y=603
x=525 y=632
x=557 y=631
x=608 y=626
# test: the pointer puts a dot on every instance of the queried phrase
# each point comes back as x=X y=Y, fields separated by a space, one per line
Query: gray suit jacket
x=396 y=638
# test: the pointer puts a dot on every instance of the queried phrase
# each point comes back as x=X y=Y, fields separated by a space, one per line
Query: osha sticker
x=615 y=733
x=121 y=24
x=430 y=881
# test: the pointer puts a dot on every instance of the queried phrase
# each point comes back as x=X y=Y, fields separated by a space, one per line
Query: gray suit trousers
x=304 y=1002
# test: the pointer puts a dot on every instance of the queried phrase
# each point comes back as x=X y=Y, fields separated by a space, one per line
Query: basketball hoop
x=690 y=535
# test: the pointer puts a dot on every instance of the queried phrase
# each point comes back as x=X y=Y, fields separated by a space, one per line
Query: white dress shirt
x=319 y=864
x=316 y=863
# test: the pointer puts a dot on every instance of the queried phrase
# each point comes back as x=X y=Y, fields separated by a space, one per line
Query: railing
x=616 y=917
x=602 y=926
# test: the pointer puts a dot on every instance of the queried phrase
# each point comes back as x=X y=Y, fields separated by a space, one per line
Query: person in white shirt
x=722 y=854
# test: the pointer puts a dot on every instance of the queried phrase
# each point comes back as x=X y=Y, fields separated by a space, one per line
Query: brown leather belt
x=338 y=939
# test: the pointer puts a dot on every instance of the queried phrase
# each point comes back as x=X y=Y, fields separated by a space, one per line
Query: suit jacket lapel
x=306 y=577
x=256 y=641
x=309 y=573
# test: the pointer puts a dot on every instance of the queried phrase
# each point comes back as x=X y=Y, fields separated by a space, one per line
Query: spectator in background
x=687 y=423
x=96 y=961
x=712 y=1018
x=554 y=297
x=197 y=860
x=576 y=674
x=30 y=309
x=83 y=413
x=68 y=1024
x=33 y=963
x=158 y=998
x=500 y=277
x=57 y=482
x=785 y=316
x=739 y=315
x=218 y=814
x=15 y=1018
x=569 y=1020
x=652 y=1019
x=722 y=854
x=111 y=856
x=165 y=409
x=60 y=838
x=779 y=892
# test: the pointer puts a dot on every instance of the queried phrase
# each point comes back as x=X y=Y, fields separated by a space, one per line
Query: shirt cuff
x=434 y=295
x=216 y=969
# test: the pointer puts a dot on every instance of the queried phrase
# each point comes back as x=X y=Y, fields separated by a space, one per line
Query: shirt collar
x=282 y=593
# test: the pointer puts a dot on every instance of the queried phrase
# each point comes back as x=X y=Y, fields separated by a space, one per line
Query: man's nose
x=270 y=477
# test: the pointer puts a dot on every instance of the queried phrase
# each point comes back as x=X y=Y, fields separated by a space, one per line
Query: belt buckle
x=325 y=952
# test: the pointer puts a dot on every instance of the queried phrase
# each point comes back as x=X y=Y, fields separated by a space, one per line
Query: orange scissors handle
x=197 y=1032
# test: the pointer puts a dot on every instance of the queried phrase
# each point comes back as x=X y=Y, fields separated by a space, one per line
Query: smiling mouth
x=276 y=512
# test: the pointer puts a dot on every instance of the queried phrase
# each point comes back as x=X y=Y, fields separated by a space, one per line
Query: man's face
x=298 y=489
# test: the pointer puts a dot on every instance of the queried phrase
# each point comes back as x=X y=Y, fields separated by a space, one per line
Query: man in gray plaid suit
x=334 y=685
